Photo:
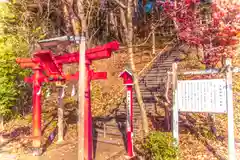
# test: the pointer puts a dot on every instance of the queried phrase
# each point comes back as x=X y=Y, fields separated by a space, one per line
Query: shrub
x=12 y=45
x=159 y=146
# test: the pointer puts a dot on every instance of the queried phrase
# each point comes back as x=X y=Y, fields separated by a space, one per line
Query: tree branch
x=120 y=4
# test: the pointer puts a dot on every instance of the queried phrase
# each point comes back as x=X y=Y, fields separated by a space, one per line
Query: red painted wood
x=128 y=81
x=36 y=120
x=127 y=77
x=130 y=123
x=88 y=140
x=49 y=63
x=100 y=52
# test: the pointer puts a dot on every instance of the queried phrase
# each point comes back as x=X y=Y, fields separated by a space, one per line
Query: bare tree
x=135 y=76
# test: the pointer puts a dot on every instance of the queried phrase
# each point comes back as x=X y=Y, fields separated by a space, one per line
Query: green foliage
x=12 y=45
x=159 y=146
x=21 y=25
x=54 y=124
x=9 y=72
x=28 y=118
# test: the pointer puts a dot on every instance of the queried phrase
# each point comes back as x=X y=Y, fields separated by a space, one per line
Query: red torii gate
x=48 y=68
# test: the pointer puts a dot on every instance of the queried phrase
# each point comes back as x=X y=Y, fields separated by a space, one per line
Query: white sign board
x=207 y=95
x=128 y=110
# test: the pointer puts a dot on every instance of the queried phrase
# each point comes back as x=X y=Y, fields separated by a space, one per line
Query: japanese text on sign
x=128 y=110
x=207 y=95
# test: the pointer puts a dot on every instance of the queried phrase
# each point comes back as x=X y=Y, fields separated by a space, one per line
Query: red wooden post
x=128 y=81
x=129 y=122
x=36 y=81
x=88 y=116
x=36 y=130
x=91 y=75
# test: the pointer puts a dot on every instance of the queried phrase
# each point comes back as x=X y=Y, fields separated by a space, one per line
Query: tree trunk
x=75 y=24
x=136 y=83
x=124 y=23
x=153 y=33
x=66 y=18
x=113 y=24
x=175 y=20
x=1 y=123
x=107 y=27
x=1 y=128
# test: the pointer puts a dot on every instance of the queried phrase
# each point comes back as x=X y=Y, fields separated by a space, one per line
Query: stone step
x=154 y=80
x=154 y=77
x=149 y=89
x=113 y=132
x=159 y=71
x=146 y=95
x=115 y=139
x=156 y=83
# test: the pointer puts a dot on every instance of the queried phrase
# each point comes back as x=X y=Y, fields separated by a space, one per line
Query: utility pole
x=81 y=98
x=81 y=82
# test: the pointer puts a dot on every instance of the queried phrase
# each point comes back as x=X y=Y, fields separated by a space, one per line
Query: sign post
x=175 y=107
x=205 y=96
x=128 y=81
x=231 y=141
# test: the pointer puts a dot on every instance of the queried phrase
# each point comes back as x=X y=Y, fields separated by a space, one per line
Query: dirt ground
x=69 y=152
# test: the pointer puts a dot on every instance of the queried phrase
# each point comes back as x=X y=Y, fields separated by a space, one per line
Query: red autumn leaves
x=210 y=27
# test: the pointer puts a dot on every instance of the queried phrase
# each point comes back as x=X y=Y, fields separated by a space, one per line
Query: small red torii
x=48 y=68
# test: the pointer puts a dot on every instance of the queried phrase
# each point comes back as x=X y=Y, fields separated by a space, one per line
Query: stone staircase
x=112 y=129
